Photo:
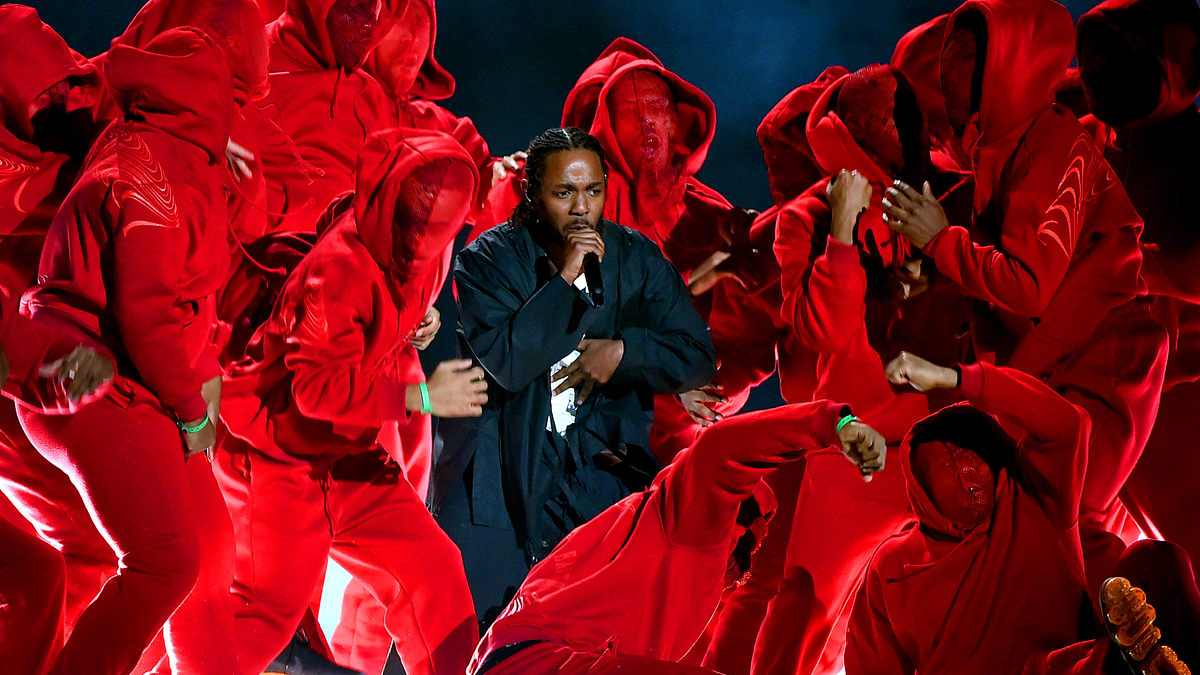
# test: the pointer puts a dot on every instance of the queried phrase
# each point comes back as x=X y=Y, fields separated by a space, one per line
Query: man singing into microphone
x=577 y=322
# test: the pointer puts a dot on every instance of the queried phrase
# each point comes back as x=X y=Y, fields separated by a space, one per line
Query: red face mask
x=396 y=61
x=351 y=26
x=962 y=69
x=959 y=483
x=644 y=119
x=433 y=194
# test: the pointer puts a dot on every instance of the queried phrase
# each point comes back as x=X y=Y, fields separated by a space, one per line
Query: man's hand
x=512 y=162
x=456 y=389
x=916 y=215
x=238 y=158
x=598 y=360
x=921 y=374
x=863 y=446
x=83 y=371
x=580 y=242
x=424 y=333
x=849 y=195
x=700 y=404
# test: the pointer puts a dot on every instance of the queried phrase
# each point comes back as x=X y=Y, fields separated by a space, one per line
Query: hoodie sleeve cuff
x=392 y=400
x=192 y=409
x=972 y=380
x=840 y=254
x=824 y=423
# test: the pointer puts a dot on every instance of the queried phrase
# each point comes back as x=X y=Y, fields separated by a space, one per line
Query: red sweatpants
x=166 y=522
x=291 y=514
x=32 y=590
x=839 y=522
x=549 y=658
x=45 y=497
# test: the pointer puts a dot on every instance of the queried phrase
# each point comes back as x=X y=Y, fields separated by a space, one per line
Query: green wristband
x=844 y=421
x=191 y=430
x=426 y=406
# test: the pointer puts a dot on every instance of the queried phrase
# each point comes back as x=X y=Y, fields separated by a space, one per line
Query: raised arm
x=722 y=468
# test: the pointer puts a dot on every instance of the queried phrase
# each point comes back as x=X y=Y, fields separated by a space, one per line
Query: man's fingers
x=571 y=381
x=459 y=365
x=565 y=372
x=585 y=391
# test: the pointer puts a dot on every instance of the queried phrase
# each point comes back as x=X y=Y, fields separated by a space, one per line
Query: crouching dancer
x=675 y=546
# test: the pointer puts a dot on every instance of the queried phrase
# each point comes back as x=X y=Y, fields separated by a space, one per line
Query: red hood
x=383 y=163
x=835 y=148
x=300 y=38
x=964 y=426
x=34 y=59
x=236 y=25
x=179 y=84
x=434 y=82
x=782 y=132
x=1162 y=34
x=696 y=111
x=1018 y=80
x=580 y=107
x=918 y=55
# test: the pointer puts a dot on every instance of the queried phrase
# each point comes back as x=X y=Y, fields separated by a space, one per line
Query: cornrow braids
x=550 y=141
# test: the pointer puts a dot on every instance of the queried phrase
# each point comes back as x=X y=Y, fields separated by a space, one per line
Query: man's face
x=572 y=191
x=644 y=119
x=397 y=59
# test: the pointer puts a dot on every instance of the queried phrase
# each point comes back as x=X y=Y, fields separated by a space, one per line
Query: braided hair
x=548 y=142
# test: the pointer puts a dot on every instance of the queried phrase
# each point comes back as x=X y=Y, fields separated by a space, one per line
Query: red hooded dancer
x=632 y=590
x=1051 y=251
x=150 y=191
x=991 y=577
x=304 y=475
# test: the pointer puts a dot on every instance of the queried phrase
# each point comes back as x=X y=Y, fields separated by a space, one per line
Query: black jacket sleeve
x=668 y=347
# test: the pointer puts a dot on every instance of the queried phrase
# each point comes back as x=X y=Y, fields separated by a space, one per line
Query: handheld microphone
x=595 y=282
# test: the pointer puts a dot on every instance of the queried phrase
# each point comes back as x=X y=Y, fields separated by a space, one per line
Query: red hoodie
x=309 y=128
x=139 y=246
x=644 y=577
x=1049 y=214
x=947 y=597
x=1140 y=69
x=323 y=374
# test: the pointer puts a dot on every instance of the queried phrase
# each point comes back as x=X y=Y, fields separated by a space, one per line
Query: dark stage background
x=516 y=61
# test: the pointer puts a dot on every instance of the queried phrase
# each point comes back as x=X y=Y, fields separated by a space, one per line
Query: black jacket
x=517 y=319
